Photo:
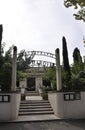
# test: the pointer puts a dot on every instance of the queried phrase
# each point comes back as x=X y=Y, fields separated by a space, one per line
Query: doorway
x=31 y=86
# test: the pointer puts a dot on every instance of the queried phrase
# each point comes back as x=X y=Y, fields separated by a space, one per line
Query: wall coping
x=64 y=91
x=11 y=92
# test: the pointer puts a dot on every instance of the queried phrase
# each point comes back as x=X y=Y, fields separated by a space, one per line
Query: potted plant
x=44 y=93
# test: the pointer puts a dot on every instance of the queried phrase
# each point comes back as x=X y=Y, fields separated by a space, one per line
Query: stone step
x=36 y=109
x=36 y=113
x=35 y=101
x=35 y=104
x=32 y=94
x=36 y=118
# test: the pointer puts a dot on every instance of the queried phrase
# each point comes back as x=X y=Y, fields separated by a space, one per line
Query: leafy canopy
x=78 y=4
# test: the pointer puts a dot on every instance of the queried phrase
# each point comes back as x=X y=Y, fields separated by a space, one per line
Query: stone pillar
x=38 y=82
x=23 y=83
x=14 y=67
x=58 y=70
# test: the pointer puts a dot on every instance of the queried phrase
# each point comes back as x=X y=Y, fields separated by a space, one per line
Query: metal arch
x=41 y=53
x=41 y=63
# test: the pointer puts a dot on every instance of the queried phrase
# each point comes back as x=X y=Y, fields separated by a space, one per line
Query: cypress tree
x=1 y=30
x=78 y=64
x=65 y=58
x=1 y=58
x=76 y=56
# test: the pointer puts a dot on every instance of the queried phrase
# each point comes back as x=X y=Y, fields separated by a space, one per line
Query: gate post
x=13 y=86
x=58 y=70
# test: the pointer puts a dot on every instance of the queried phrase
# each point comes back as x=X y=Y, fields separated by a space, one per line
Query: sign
x=72 y=96
x=4 y=98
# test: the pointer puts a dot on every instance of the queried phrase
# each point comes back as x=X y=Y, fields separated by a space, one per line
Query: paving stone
x=48 y=125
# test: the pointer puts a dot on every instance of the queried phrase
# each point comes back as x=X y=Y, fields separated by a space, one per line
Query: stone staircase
x=35 y=107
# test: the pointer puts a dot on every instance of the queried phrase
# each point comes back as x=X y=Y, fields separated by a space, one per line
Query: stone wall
x=63 y=108
x=9 y=110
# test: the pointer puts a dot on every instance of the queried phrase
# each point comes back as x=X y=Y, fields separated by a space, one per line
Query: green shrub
x=5 y=77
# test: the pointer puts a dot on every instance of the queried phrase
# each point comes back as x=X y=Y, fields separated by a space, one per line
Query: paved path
x=52 y=125
x=35 y=118
x=33 y=98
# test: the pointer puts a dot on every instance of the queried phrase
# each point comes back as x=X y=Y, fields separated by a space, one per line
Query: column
x=38 y=82
x=14 y=67
x=58 y=70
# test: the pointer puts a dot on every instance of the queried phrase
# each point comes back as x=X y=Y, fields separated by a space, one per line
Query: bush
x=5 y=77
x=44 y=93
x=75 y=84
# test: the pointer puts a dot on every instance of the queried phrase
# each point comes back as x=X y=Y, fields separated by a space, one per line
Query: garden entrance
x=40 y=61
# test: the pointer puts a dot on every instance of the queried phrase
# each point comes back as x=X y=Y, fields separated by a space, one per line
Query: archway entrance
x=36 y=69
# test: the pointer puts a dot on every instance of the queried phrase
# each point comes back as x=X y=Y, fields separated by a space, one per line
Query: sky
x=40 y=25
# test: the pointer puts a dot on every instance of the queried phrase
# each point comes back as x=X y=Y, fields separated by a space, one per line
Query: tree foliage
x=76 y=80
x=50 y=75
x=6 y=69
x=21 y=75
x=65 y=58
x=6 y=72
x=80 y=15
x=76 y=56
x=78 y=65
x=23 y=60
x=1 y=30
x=1 y=58
x=5 y=78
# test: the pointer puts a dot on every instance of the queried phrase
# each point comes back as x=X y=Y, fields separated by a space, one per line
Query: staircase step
x=35 y=101
x=31 y=94
x=36 y=113
x=36 y=109
x=36 y=104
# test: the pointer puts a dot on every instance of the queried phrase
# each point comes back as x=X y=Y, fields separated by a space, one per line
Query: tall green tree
x=66 y=73
x=65 y=56
x=78 y=65
x=5 y=79
x=78 y=4
x=6 y=72
x=1 y=30
x=77 y=56
x=1 y=58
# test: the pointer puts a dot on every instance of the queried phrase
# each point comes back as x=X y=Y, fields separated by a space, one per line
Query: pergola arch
x=41 y=63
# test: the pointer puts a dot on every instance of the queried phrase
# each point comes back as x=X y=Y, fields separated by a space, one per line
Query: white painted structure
x=71 y=109
x=23 y=83
x=9 y=110
x=14 y=68
x=38 y=82
x=58 y=70
x=38 y=79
